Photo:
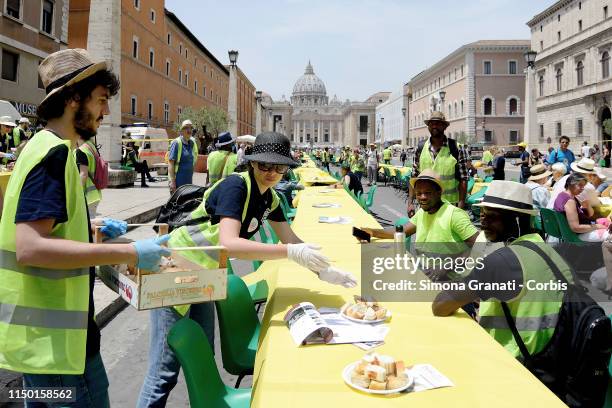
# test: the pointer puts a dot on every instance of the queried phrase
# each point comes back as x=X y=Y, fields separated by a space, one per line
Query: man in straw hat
x=442 y=154
x=222 y=162
x=232 y=211
x=48 y=329
x=537 y=184
x=182 y=157
x=510 y=273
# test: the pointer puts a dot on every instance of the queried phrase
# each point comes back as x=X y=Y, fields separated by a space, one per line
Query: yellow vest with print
x=444 y=166
x=535 y=318
x=216 y=168
x=206 y=233
x=179 y=146
x=387 y=154
x=43 y=324
x=92 y=194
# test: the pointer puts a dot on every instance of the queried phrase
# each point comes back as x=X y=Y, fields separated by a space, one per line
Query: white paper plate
x=352 y=319
x=327 y=191
x=326 y=205
x=346 y=376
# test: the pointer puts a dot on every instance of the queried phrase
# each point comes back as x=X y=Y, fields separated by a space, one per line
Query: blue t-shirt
x=525 y=167
x=184 y=175
x=228 y=198
x=43 y=197
x=560 y=156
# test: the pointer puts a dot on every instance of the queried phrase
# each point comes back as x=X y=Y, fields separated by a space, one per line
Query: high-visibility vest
x=325 y=157
x=387 y=154
x=92 y=194
x=444 y=166
x=216 y=169
x=194 y=152
x=43 y=312
x=535 y=320
x=207 y=234
x=17 y=135
x=357 y=164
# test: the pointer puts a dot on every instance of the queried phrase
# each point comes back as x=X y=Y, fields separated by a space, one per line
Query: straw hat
x=427 y=175
x=67 y=67
x=437 y=116
x=509 y=195
x=7 y=121
x=584 y=166
x=538 y=172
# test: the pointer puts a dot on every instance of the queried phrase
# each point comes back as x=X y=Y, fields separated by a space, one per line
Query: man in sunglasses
x=232 y=211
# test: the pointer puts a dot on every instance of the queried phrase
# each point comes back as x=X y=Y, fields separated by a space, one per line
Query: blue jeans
x=91 y=386
x=163 y=370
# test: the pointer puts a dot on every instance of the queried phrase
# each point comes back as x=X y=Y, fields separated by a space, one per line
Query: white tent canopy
x=245 y=139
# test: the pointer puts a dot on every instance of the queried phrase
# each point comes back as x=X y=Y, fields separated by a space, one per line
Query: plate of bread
x=378 y=374
x=366 y=311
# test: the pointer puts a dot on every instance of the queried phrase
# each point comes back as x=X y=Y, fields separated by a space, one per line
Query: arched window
x=456 y=111
x=579 y=73
x=541 y=85
x=513 y=106
x=559 y=77
x=488 y=106
x=605 y=64
x=450 y=110
x=462 y=111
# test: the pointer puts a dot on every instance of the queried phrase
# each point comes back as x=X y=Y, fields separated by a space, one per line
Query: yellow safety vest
x=92 y=194
x=216 y=169
x=194 y=152
x=43 y=312
x=206 y=233
x=357 y=164
x=387 y=154
x=444 y=166
x=535 y=320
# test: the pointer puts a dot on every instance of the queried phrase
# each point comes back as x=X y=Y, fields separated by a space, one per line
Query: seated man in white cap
x=536 y=183
x=182 y=158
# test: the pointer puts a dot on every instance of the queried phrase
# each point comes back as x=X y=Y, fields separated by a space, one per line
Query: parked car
x=512 y=152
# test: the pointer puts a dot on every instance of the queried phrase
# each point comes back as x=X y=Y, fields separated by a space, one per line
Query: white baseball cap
x=186 y=122
x=24 y=120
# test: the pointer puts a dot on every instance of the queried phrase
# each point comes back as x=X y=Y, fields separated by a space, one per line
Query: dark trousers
x=143 y=168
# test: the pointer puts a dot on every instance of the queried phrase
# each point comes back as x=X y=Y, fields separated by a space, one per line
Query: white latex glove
x=338 y=277
x=308 y=255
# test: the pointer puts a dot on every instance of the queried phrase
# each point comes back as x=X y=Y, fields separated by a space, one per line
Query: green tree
x=208 y=121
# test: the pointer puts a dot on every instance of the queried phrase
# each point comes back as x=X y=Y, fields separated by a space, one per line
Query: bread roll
x=394 y=382
x=376 y=372
x=360 y=368
x=360 y=380
x=378 y=385
x=400 y=368
x=370 y=314
x=388 y=363
x=381 y=313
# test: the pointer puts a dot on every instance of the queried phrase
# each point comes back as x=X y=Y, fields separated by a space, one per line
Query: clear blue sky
x=357 y=47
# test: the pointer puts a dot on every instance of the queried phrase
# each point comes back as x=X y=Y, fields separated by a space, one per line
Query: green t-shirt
x=439 y=226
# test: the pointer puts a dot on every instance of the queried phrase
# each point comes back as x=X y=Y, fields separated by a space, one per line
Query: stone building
x=391 y=118
x=480 y=88
x=571 y=83
x=27 y=36
x=245 y=104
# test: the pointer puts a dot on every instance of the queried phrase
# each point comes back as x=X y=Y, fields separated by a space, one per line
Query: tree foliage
x=208 y=121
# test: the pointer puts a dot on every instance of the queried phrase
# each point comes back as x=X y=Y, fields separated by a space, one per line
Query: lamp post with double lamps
x=258 y=113
x=531 y=113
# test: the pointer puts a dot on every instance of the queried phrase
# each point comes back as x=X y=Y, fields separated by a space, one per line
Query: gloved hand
x=10 y=156
x=338 y=277
x=150 y=252
x=308 y=255
x=113 y=228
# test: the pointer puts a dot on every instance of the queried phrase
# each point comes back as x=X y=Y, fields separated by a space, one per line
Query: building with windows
x=572 y=86
x=27 y=36
x=480 y=87
x=310 y=118
x=391 y=118
x=245 y=104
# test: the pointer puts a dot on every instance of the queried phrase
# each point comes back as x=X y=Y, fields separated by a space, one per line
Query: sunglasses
x=278 y=168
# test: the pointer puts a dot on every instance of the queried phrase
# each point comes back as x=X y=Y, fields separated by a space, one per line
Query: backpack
x=574 y=363
x=100 y=177
x=176 y=212
x=454 y=151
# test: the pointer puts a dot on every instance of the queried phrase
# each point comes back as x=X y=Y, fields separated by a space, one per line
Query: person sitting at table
x=231 y=212
x=558 y=171
x=131 y=159
x=357 y=164
x=505 y=215
x=599 y=183
x=586 y=167
x=349 y=180
x=579 y=214
x=536 y=183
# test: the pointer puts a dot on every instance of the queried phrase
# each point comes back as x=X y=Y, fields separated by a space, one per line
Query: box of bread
x=178 y=282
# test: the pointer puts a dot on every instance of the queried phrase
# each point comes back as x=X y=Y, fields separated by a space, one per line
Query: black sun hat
x=273 y=148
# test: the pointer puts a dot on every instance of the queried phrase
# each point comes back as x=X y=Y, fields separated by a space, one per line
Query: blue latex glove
x=113 y=228
x=150 y=251
x=10 y=156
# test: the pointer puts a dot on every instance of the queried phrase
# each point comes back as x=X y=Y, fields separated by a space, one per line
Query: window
x=579 y=5
x=558 y=17
x=558 y=35
x=513 y=107
x=488 y=134
x=152 y=58
x=541 y=85
x=10 y=61
x=559 y=77
x=133 y=105
x=579 y=73
x=137 y=4
x=167 y=67
x=149 y=110
x=579 y=25
x=605 y=64
x=169 y=39
x=195 y=86
x=166 y=112
x=186 y=77
x=181 y=48
x=455 y=74
x=541 y=45
x=195 y=62
x=135 y=47
x=153 y=16
x=179 y=110
x=180 y=77
x=488 y=106
x=461 y=108
x=204 y=90
x=186 y=53
x=541 y=131
x=605 y=12
x=456 y=111
x=47 y=16
x=487 y=68
x=512 y=67
x=40 y=83
x=559 y=130
x=514 y=136
x=13 y=8
x=579 y=127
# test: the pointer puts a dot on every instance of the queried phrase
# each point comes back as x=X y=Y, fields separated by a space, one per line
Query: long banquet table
x=484 y=373
x=4 y=179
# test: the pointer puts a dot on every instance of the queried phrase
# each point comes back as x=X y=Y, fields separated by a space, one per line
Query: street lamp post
x=258 y=113
x=442 y=97
x=404 y=138
x=232 y=106
x=531 y=114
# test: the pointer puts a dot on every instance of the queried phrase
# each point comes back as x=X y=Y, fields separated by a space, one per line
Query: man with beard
x=446 y=158
x=48 y=329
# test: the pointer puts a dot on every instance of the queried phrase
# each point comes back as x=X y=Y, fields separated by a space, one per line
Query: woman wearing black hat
x=233 y=210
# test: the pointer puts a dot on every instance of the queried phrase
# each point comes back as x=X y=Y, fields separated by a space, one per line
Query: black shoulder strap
x=551 y=264
x=454 y=150
x=517 y=337
x=419 y=149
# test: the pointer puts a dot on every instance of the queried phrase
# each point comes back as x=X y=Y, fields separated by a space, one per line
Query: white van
x=7 y=109
x=143 y=132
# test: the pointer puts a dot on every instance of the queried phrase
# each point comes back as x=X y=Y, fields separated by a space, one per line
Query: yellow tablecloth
x=403 y=170
x=4 y=179
x=309 y=176
x=602 y=211
x=484 y=373
x=479 y=186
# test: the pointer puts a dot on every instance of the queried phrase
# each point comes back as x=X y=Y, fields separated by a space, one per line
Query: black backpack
x=176 y=212
x=574 y=363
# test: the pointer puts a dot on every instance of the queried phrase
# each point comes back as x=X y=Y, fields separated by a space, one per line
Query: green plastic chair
x=566 y=232
x=337 y=176
x=287 y=209
x=470 y=184
x=204 y=384
x=258 y=290
x=265 y=238
x=238 y=328
x=370 y=199
x=488 y=179
x=549 y=222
